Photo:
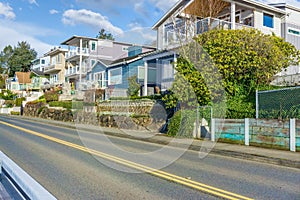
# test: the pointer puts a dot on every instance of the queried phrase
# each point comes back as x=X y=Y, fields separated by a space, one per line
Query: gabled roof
x=55 y=51
x=182 y=4
x=130 y=59
x=23 y=77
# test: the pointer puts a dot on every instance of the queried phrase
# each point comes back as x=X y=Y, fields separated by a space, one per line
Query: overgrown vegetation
x=182 y=124
x=246 y=59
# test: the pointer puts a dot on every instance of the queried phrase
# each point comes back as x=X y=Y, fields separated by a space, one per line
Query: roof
x=181 y=4
x=130 y=59
x=23 y=77
x=75 y=40
x=54 y=51
x=284 y=6
x=37 y=72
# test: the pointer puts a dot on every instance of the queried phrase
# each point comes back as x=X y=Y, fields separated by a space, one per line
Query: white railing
x=186 y=32
x=76 y=52
x=75 y=70
x=101 y=84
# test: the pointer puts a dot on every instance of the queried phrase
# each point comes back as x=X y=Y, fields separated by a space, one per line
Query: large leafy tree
x=247 y=58
x=5 y=56
x=21 y=58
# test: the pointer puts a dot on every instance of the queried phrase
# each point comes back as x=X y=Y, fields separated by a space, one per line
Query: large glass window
x=167 y=69
x=115 y=76
x=268 y=20
x=151 y=74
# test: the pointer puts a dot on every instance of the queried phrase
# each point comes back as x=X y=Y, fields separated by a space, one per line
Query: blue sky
x=46 y=23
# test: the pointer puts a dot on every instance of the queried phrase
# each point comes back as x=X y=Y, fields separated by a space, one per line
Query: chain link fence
x=278 y=104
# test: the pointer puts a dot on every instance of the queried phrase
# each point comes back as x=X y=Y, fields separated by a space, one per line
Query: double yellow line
x=171 y=177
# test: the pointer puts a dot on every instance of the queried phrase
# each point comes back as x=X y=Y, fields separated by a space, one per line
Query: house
x=187 y=18
x=39 y=81
x=84 y=52
x=19 y=83
x=290 y=31
x=112 y=76
x=56 y=68
x=40 y=63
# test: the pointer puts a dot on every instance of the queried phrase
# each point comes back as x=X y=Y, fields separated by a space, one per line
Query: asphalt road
x=58 y=160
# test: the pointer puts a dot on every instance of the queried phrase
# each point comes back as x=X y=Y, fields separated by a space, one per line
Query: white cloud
x=23 y=32
x=137 y=35
x=53 y=11
x=7 y=11
x=163 y=5
x=33 y=2
x=90 y=18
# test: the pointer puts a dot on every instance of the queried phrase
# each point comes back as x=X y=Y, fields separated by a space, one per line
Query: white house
x=187 y=18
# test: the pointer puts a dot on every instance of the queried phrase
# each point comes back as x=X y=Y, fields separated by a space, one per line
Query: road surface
x=73 y=164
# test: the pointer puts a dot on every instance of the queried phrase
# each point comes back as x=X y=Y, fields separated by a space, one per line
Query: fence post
x=213 y=130
x=247 y=131
x=256 y=105
x=293 y=135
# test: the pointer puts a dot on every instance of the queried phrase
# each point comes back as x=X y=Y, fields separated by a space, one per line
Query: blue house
x=112 y=76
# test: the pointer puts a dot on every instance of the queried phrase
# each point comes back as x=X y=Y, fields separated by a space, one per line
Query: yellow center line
x=171 y=177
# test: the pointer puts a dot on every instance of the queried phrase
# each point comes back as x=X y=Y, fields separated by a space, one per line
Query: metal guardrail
x=19 y=183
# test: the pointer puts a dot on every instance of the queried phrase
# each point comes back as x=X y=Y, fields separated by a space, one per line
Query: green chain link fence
x=278 y=104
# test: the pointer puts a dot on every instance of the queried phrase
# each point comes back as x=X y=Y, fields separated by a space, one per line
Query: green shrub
x=64 y=104
x=9 y=103
x=14 y=113
x=182 y=123
x=42 y=97
x=41 y=109
x=51 y=96
x=19 y=101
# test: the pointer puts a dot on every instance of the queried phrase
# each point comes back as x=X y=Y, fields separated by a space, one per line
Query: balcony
x=53 y=68
x=74 y=71
x=185 y=33
x=75 y=53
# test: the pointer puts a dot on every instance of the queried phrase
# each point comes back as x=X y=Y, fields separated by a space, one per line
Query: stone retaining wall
x=141 y=115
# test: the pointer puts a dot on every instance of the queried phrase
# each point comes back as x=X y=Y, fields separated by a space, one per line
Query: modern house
x=19 y=83
x=40 y=63
x=56 y=67
x=290 y=31
x=85 y=52
x=188 y=18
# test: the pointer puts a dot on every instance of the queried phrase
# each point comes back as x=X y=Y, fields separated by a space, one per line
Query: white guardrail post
x=213 y=130
x=293 y=135
x=247 y=138
x=28 y=185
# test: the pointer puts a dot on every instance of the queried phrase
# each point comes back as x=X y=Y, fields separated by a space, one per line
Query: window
x=268 y=20
x=151 y=74
x=115 y=76
x=59 y=58
x=43 y=61
x=124 y=48
x=167 y=69
x=100 y=78
x=93 y=46
x=294 y=31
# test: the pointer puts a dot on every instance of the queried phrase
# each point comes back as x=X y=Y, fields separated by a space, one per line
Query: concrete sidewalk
x=272 y=156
